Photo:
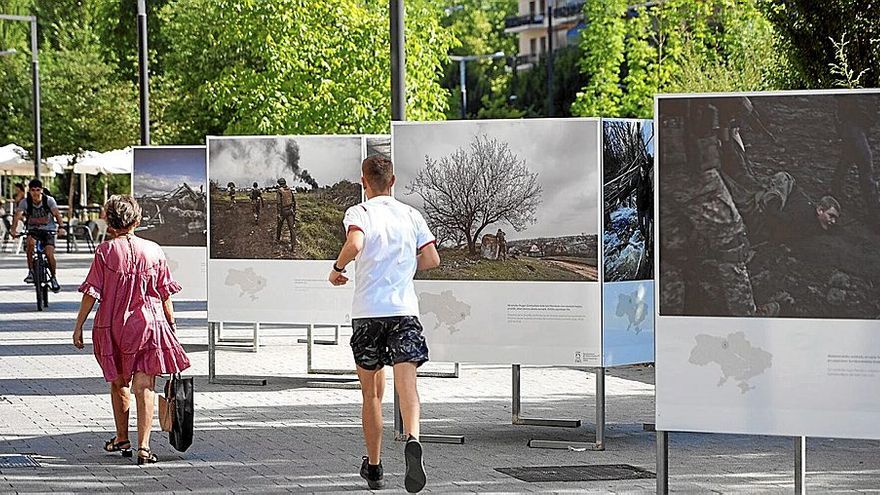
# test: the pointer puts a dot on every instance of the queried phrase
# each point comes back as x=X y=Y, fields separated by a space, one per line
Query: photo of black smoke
x=768 y=205
x=628 y=198
x=266 y=203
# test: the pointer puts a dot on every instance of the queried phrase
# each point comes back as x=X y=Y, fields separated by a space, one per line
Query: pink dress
x=130 y=279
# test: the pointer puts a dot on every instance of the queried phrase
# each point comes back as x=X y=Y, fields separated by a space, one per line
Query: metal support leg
x=212 y=363
x=400 y=435
x=212 y=351
x=800 y=465
x=310 y=342
x=516 y=409
x=238 y=343
x=600 y=408
x=662 y=463
x=256 y=336
x=398 y=420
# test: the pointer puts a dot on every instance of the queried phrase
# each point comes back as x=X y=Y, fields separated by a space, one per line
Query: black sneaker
x=373 y=474
x=30 y=278
x=415 y=466
x=54 y=285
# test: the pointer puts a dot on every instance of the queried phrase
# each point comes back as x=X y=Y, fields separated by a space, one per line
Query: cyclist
x=41 y=215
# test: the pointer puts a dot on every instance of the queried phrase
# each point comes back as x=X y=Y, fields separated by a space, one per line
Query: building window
x=532 y=8
x=543 y=44
x=543 y=6
x=533 y=45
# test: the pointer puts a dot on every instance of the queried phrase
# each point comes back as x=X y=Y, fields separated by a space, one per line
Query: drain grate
x=595 y=472
x=11 y=461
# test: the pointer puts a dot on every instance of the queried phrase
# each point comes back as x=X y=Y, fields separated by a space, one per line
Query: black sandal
x=113 y=446
x=150 y=458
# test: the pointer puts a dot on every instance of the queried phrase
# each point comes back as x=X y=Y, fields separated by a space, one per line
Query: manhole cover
x=596 y=472
x=10 y=461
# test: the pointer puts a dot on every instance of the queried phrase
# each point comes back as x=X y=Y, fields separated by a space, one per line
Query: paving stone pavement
x=289 y=437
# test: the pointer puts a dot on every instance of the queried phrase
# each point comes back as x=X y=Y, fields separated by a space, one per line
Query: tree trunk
x=472 y=244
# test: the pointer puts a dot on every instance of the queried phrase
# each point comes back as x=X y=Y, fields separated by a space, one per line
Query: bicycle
x=40 y=265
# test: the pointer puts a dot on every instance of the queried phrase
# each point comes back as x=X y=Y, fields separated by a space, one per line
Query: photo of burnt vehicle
x=170 y=185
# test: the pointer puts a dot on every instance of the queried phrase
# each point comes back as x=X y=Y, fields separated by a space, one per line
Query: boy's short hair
x=35 y=183
x=378 y=171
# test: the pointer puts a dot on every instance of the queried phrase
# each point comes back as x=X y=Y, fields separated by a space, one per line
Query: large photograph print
x=769 y=206
x=281 y=197
x=508 y=200
x=170 y=184
x=628 y=198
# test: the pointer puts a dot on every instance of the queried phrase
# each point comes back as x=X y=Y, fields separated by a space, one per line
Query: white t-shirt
x=384 y=269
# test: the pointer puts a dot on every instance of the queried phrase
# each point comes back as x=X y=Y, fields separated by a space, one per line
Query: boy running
x=390 y=241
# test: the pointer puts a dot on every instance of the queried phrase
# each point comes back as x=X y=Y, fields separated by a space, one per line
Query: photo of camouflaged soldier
x=691 y=154
x=761 y=211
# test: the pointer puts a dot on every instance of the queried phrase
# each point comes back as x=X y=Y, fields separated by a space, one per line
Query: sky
x=243 y=160
x=162 y=169
x=565 y=153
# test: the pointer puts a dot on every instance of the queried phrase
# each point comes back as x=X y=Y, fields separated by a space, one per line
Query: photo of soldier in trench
x=266 y=205
x=768 y=206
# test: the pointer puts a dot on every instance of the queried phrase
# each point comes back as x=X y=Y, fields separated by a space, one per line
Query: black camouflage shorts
x=377 y=342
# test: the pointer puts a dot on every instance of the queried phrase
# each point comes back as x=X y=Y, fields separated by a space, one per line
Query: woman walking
x=134 y=334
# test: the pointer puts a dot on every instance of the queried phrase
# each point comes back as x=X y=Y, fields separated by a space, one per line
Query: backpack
x=286 y=197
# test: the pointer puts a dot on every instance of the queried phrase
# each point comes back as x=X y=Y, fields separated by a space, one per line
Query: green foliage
x=603 y=43
x=834 y=43
x=297 y=66
x=675 y=46
x=530 y=86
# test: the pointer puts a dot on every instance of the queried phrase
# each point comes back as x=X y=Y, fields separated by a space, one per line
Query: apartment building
x=531 y=27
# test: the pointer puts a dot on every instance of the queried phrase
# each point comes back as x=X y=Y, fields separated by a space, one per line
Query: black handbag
x=179 y=394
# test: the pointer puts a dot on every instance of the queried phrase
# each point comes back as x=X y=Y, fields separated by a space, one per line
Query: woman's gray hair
x=123 y=211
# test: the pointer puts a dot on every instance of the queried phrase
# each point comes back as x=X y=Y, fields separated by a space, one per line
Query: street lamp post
x=462 y=68
x=398 y=61
x=35 y=80
x=143 y=72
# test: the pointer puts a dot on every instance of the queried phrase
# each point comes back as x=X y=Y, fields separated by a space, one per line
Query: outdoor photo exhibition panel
x=170 y=183
x=276 y=205
x=768 y=264
x=628 y=241
x=515 y=206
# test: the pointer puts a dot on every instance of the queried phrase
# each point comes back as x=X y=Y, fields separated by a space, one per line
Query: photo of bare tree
x=507 y=200
x=628 y=191
x=276 y=197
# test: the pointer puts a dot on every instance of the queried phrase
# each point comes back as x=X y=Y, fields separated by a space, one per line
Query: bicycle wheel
x=38 y=281
x=46 y=278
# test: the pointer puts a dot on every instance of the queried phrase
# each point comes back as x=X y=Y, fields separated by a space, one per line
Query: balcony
x=519 y=23
x=570 y=12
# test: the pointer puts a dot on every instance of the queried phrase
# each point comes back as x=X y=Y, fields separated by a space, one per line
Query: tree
x=633 y=53
x=475 y=187
x=829 y=43
x=296 y=66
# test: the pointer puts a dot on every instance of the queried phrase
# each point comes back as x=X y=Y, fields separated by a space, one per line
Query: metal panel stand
x=239 y=343
x=662 y=463
x=400 y=436
x=598 y=444
x=440 y=374
x=320 y=371
x=800 y=465
x=335 y=340
x=212 y=363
